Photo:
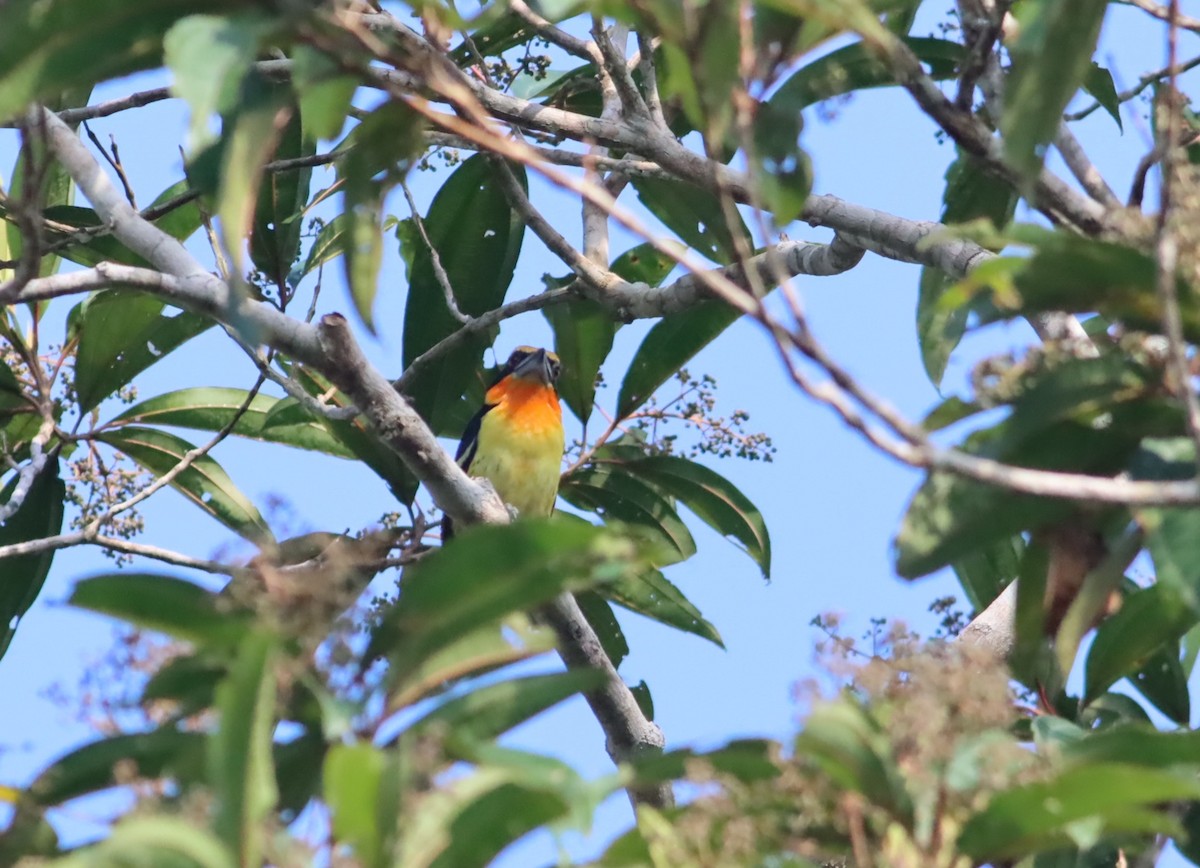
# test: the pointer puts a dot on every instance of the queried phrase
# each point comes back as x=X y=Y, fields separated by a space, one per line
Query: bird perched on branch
x=515 y=441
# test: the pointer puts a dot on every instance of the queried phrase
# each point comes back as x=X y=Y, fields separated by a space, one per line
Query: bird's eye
x=555 y=369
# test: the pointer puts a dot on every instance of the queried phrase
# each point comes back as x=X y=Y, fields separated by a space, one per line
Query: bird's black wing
x=467 y=447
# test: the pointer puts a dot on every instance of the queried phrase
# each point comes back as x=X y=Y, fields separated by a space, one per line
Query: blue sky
x=831 y=502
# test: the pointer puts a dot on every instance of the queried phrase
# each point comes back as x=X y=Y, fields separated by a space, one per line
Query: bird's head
x=532 y=364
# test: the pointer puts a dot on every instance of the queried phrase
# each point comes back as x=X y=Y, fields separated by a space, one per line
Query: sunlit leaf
x=621 y=496
x=853 y=67
x=489 y=572
x=649 y=593
x=1051 y=58
x=239 y=750
x=204 y=481
x=209 y=408
x=712 y=497
x=1016 y=821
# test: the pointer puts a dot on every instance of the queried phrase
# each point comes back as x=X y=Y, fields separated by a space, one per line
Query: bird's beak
x=535 y=366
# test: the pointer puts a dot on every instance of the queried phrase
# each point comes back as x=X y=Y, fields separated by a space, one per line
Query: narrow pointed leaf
x=489 y=712
x=1051 y=59
x=239 y=750
x=854 y=67
x=165 y=604
x=617 y=495
x=1016 y=821
x=489 y=572
x=204 y=481
x=649 y=593
x=713 y=498
x=209 y=408
x=40 y=515
x=669 y=345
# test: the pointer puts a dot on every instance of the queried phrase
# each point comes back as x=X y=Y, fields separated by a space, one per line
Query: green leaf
x=621 y=496
x=984 y=573
x=1053 y=426
x=608 y=630
x=46 y=48
x=189 y=680
x=1051 y=58
x=204 y=481
x=180 y=222
x=667 y=347
x=1099 y=84
x=55 y=191
x=120 y=335
x=489 y=572
x=853 y=67
x=970 y=194
x=239 y=750
x=1116 y=795
x=1129 y=639
x=209 y=56
x=93 y=767
x=694 y=215
x=749 y=760
x=250 y=135
x=712 y=497
x=356 y=784
x=477 y=652
x=278 y=215
x=154 y=840
x=323 y=90
x=353 y=434
x=384 y=144
x=584 y=330
x=649 y=593
x=1164 y=683
x=1081 y=275
x=474 y=819
x=1171 y=540
x=850 y=747
x=328 y=244
x=40 y=515
x=210 y=408
x=478 y=238
x=298 y=767
x=165 y=604
x=583 y=335
x=489 y=712
x=1135 y=744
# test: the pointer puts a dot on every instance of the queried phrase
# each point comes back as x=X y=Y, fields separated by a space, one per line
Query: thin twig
x=1168 y=13
x=1084 y=169
x=616 y=67
x=114 y=160
x=435 y=259
x=478 y=324
x=1142 y=83
x=555 y=35
x=650 y=80
x=1169 y=108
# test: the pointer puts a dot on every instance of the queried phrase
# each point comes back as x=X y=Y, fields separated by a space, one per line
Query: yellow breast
x=521 y=446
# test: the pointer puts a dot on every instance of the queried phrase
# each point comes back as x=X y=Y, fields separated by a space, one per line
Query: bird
x=516 y=439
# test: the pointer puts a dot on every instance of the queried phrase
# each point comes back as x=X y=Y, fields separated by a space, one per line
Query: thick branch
x=330 y=348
